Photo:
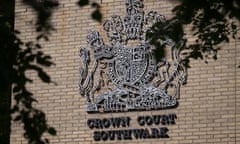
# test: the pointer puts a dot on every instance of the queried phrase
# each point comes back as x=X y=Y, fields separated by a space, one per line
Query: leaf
x=45 y=61
x=186 y=62
x=233 y=26
x=30 y=58
x=52 y=131
x=197 y=55
x=46 y=141
x=96 y=5
x=215 y=57
x=39 y=36
x=38 y=46
x=82 y=3
x=16 y=89
x=14 y=109
x=44 y=76
x=96 y=15
x=17 y=118
x=45 y=38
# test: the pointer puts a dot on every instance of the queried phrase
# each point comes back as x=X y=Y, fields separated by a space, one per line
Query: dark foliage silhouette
x=212 y=23
x=16 y=58
x=96 y=14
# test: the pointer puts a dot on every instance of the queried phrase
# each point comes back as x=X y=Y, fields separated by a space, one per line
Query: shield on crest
x=129 y=65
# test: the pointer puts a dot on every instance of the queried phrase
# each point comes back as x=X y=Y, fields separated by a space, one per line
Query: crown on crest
x=131 y=27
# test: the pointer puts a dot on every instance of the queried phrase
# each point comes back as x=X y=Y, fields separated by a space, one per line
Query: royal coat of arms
x=123 y=75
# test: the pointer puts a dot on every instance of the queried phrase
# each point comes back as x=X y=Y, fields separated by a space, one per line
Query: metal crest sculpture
x=123 y=77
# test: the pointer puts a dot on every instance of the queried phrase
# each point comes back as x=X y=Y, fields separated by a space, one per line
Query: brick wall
x=209 y=105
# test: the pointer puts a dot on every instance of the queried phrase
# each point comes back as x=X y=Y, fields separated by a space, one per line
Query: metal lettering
x=157 y=119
